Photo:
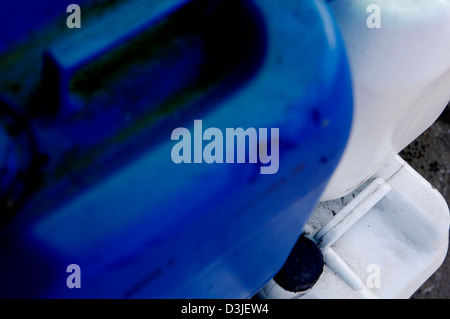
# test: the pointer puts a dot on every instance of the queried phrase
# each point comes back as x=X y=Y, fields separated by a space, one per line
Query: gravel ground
x=430 y=156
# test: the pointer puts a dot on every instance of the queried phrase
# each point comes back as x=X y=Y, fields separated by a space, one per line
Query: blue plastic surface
x=110 y=199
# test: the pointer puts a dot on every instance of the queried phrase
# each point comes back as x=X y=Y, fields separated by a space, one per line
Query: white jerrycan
x=382 y=229
x=399 y=53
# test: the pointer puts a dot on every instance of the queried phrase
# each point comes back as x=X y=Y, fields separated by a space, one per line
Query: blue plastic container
x=102 y=102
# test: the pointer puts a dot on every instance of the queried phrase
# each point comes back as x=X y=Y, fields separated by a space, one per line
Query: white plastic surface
x=401 y=75
x=396 y=222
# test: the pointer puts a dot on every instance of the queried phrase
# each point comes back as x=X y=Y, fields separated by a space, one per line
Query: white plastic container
x=384 y=240
x=401 y=75
x=382 y=228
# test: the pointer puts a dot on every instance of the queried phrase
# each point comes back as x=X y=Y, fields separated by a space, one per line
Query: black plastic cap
x=302 y=268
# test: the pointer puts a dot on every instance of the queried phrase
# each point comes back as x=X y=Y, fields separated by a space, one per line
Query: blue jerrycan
x=163 y=149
